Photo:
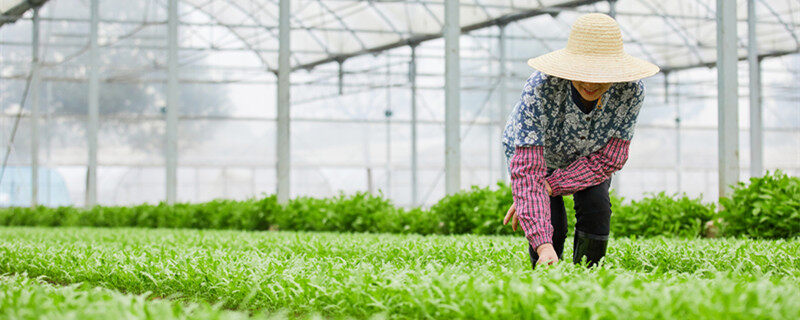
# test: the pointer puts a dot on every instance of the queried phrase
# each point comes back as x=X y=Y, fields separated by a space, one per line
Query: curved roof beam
x=785 y=25
x=483 y=8
x=480 y=44
x=712 y=16
x=676 y=29
x=295 y=21
x=233 y=31
x=415 y=39
x=430 y=12
x=540 y=40
x=713 y=64
x=383 y=16
x=341 y=22
x=270 y=30
x=299 y=23
x=15 y=12
x=196 y=7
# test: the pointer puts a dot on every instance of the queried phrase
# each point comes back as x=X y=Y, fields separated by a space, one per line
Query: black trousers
x=592 y=213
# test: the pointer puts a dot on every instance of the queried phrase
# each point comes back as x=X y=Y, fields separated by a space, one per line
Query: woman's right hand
x=547 y=255
x=511 y=215
x=547 y=187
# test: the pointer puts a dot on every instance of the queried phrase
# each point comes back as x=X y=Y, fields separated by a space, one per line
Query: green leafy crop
x=660 y=214
x=368 y=276
x=769 y=207
x=477 y=210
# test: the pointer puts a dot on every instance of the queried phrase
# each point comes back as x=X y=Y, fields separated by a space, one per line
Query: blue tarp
x=15 y=188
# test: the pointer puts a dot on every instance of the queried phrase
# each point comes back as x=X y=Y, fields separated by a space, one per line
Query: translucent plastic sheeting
x=226 y=143
x=673 y=34
x=125 y=142
x=126 y=185
x=677 y=33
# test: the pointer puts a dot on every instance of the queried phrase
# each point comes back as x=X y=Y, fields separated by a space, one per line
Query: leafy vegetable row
x=769 y=207
x=26 y=298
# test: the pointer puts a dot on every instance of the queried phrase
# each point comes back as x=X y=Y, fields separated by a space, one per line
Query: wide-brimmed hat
x=594 y=54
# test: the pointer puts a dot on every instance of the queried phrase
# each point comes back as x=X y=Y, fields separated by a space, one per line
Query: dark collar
x=584 y=105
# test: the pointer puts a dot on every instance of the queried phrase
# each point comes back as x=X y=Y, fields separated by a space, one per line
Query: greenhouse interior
x=129 y=102
x=386 y=159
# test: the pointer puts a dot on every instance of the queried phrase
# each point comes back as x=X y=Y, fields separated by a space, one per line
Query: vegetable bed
x=413 y=276
x=26 y=298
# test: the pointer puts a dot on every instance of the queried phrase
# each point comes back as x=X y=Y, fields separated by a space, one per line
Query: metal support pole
x=727 y=96
x=367 y=156
x=225 y=182
x=341 y=77
x=412 y=79
x=388 y=114
x=756 y=146
x=283 y=169
x=253 y=182
x=615 y=184
x=196 y=183
x=452 y=90
x=612 y=8
x=677 y=132
x=48 y=134
x=172 y=102
x=35 y=80
x=504 y=108
x=94 y=107
x=678 y=152
x=491 y=141
x=666 y=88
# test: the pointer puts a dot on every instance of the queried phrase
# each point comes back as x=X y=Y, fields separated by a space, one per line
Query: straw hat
x=594 y=54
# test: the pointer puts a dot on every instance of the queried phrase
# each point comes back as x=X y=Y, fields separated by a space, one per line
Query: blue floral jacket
x=546 y=115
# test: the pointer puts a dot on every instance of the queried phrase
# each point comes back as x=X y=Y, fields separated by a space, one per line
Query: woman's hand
x=547 y=187
x=512 y=212
x=511 y=215
x=547 y=255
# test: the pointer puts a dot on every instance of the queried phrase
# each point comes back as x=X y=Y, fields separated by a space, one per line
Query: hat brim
x=589 y=68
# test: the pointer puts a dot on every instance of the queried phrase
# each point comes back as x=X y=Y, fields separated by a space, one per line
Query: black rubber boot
x=588 y=245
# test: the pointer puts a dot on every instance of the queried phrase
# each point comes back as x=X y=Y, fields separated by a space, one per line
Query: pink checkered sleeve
x=527 y=167
x=590 y=170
